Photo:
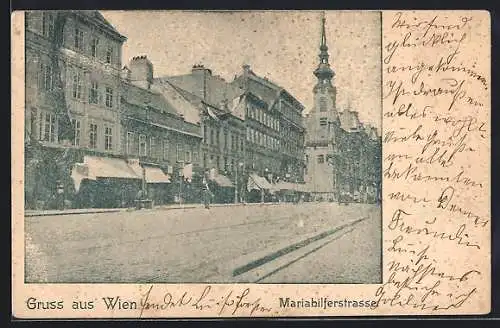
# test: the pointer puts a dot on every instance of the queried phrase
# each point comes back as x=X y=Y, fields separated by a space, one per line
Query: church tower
x=323 y=118
x=325 y=93
x=322 y=124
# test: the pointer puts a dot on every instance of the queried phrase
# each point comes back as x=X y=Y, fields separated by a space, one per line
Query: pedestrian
x=206 y=195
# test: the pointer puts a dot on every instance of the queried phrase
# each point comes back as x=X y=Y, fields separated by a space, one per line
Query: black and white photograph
x=203 y=147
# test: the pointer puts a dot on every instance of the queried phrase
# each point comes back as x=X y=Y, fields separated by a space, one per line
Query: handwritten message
x=435 y=162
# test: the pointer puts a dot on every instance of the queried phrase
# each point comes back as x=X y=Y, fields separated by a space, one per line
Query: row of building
x=101 y=134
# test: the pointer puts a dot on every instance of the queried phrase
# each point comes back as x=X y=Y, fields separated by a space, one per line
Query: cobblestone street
x=270 y=243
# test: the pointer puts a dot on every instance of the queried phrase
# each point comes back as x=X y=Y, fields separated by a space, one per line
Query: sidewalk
x=31 y=213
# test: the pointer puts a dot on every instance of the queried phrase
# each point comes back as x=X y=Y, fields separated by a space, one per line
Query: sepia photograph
x=203 y=147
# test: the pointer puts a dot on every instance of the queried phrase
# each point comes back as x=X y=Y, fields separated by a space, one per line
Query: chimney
x=246 y=69
x=141 y=72
x=200 y=69
x=201 y=73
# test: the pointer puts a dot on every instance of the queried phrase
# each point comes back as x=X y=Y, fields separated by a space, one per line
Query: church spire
x=323 y=46
x=323 y=72
x=325 y=93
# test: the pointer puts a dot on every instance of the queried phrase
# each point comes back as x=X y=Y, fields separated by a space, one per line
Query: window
x=321 y=159
x=48 y=23
x=187 y=156
x=165 y=149
x=47 y=77
x=142 y=145
x=323 y=121
x=109 y=97
x=130 y=142
x=94 y=93
x=78 y=39
x=212 y=136
x=179 y=152
x=48 y=127
x=109 y=54
x=322 y=104
x=94 y=46
x=108 y=138
x=77 y=84
x=241 y=144
x=77 y=129
x=195 y=156
x=152 y=147
x=225 y=139
x=205 y=134
x=92 y=135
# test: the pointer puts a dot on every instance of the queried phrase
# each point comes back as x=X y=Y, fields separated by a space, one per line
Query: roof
x=349 y=120
x=234 y=105
x=182 y=103
x=141 y=97
x=269 y=97
x=99 y=18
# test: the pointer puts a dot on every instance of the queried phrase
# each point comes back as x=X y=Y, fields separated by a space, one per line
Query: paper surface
x=436 y=105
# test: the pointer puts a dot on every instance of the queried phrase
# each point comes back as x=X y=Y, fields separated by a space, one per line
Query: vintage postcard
x=194 y=164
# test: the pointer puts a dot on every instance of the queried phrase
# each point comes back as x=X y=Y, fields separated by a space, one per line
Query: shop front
x=105 y=182
x=259 y=189
x=222 y=188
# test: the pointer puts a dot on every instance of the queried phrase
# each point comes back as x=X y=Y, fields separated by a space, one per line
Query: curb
x=166 y=208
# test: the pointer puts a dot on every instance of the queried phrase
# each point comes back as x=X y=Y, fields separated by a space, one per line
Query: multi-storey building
x=222 y=146
x=274 y=127
x=158 y=138
x=261 y=119
x=72 y=108
x=343 y=155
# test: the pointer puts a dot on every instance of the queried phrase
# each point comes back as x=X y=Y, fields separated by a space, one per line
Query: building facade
x=252 y=128
x=157 y=139
x=97 y=134
x=343 y=155
x=72 y=108
x=222 y=144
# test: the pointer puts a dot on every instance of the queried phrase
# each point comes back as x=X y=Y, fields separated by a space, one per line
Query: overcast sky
x=282 y=46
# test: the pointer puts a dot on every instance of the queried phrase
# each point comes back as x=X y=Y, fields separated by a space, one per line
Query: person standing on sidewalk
x=206 y=194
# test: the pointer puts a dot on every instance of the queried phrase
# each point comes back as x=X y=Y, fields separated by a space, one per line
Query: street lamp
x=240 y=164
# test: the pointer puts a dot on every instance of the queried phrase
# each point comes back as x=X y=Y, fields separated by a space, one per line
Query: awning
x=222 y=180
x=156 y=175
x=258 y=182
x=94 y=167
x=106 y=167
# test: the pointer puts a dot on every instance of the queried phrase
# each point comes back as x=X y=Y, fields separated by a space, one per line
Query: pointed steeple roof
x=323 y=71
x=323 y=46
